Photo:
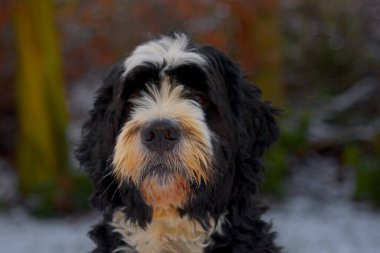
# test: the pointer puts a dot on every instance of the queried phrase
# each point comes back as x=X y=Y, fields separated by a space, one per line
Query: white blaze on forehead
x=165 y=102
x=172 y=51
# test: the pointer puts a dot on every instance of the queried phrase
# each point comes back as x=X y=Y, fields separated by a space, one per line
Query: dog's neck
x=168 y=232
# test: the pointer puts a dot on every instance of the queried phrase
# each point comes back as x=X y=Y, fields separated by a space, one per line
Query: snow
x=20 y=233
x=303 y=225
x=319 y=215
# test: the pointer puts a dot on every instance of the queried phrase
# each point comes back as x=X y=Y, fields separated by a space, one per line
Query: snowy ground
x=19 y=233
x=317 y=217
x=306 y=226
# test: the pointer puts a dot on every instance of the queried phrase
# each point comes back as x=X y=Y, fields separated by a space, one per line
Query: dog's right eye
x=201 y=98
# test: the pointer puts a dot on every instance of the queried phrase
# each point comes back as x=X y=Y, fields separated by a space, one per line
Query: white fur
x=168 y=50
x=165 y=235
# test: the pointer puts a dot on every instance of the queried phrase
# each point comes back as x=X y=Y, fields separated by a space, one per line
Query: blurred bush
x=365 y=160
x=331 y=55
x=282 y=155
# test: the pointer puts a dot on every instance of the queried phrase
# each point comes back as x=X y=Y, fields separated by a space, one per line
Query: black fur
x=245 y=126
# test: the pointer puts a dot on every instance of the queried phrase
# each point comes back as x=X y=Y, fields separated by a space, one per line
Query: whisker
x=105 y=176
x=117 y=188
x=106 y=169
x=108 y=187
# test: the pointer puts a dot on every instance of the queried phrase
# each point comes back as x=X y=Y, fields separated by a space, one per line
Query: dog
x=173 y=147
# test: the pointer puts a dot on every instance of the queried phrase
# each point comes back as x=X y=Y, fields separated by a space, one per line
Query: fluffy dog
x=173 y=147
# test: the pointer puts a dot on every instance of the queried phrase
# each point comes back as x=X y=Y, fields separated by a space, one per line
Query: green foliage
x=276 y=170
x=42 y=201
x=50 y=200
x=367 y=168
x=82 y=189
x=277 y=158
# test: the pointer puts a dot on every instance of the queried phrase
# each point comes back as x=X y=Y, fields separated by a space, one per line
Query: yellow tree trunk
x=42 y=148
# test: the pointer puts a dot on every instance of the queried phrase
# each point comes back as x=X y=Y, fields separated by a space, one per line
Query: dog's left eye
x=201 y=98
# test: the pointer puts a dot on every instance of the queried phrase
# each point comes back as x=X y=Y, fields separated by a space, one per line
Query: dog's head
x=175 y=127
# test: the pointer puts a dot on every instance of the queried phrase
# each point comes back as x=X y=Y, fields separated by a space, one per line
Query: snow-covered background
x=319 y=215
x=20 y=233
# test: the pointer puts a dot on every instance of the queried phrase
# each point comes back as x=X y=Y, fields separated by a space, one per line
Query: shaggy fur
x=200 y=195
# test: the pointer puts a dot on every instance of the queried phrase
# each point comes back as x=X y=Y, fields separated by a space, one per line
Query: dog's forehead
x=164 y=53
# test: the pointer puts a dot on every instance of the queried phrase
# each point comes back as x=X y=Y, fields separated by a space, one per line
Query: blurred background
x=317 y=60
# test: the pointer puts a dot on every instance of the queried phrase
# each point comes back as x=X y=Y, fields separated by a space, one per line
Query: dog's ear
x=259 y=128
x=98 y=138
x=255 y=121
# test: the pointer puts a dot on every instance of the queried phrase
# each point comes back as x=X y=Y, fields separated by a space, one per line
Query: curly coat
x=243 y=126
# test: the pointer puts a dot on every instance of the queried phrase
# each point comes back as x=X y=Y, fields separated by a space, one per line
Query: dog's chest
x=167 y=234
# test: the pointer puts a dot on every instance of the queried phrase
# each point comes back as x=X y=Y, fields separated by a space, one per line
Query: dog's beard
x=162 y=167
x=165 y=191
x=165 y=178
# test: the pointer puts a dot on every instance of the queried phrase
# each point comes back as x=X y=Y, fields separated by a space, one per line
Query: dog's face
x=175 y=127
x=165 y=144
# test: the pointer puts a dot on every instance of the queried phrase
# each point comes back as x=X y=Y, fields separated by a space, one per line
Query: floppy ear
x=257 y=130
x=256 y=126
x=259 y=120
x=260 y=129
x=98 y=138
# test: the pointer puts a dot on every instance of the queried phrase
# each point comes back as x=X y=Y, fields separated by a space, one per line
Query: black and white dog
x=173 y=148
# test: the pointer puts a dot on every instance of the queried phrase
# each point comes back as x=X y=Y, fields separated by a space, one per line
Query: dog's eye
x=201 y=98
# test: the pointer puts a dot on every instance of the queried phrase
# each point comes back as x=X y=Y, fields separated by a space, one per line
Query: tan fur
x=165 y=234
x=127 y=158
x=196 y=152
x=171 y=194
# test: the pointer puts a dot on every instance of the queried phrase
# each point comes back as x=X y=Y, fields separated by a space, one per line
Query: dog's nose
x=160 y=135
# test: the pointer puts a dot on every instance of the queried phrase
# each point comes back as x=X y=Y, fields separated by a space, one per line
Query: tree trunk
x=42 y=146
